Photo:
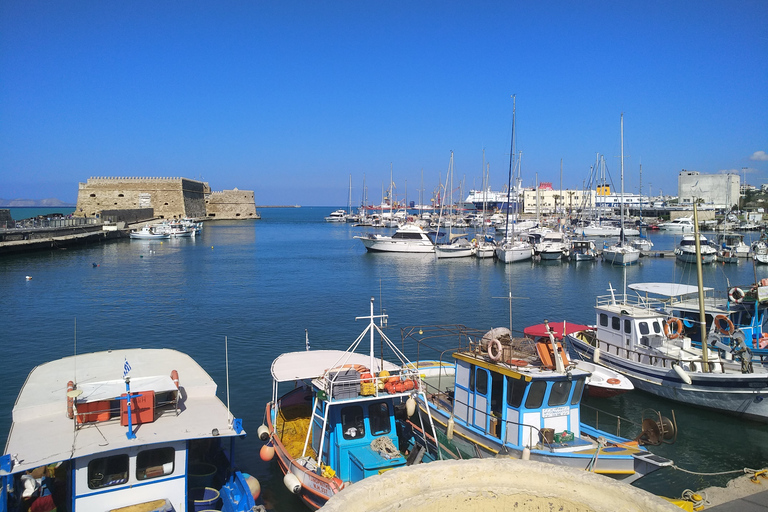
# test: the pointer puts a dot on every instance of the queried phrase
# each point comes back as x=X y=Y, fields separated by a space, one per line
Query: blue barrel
x=204 y=498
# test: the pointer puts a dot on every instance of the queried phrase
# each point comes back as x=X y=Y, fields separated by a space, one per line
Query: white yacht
x=679 y=225
x=686 y=250
x=553 y=246
x=337 y=216
x=408 y=238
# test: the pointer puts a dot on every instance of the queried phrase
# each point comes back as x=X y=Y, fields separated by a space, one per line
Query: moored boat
x=137 y=428
x=685 y=251
x=352 y=402
x=408 y=238
x=148 y=233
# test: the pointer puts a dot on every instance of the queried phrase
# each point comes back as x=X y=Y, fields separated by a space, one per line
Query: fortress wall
x=231 y=204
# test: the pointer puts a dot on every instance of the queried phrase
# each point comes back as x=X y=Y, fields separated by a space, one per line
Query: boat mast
x=700 y=279
x=621 y=201
x=511 y=160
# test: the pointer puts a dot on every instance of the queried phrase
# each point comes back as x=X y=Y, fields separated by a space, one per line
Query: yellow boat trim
x=465 y=437
x=494 y=367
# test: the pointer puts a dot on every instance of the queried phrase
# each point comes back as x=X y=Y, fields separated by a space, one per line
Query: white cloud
x=759 y=155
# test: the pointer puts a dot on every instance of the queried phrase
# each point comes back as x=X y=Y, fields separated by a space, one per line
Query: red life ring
x=175 y=378
x=671 y=333
x=613 y=381
x=494 y=350
x=729 y=328
x=736 y=295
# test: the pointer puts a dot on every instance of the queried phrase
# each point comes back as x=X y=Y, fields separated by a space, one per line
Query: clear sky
x=290 y=98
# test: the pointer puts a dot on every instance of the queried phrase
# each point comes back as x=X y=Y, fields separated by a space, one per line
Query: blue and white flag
x=306 y=337
x=126 y=368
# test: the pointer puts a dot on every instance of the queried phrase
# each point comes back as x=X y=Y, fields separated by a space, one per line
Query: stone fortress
x=137 y=198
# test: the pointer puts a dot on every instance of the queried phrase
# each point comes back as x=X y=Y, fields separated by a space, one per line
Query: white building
x=719 y=190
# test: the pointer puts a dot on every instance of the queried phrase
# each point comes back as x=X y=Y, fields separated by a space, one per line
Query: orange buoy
x=267 y=452
x=613 y=381
x=409 y=385
x=175 y=378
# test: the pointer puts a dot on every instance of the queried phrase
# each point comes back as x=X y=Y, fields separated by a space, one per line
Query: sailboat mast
x=511 y=160
x=621 y=201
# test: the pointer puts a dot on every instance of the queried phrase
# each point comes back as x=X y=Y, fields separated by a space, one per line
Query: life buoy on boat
x=494 y=350
x=175 y=378
x=671 y=332
x=613 y=381
x=729 y=328
x=736 y=295
x=70 y=400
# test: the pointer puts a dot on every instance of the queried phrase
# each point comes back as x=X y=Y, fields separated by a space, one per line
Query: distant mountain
x=41 y=203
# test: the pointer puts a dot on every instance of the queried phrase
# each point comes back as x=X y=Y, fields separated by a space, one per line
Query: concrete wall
x=169 y=197
x=721 y=190
x=231 y=204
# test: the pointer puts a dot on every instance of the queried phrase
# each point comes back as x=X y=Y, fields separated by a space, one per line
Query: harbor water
x=252 y=288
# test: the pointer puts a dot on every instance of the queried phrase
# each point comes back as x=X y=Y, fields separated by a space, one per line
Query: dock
x=30 y=239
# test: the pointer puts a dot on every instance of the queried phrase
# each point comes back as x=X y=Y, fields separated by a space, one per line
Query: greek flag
x=126 y=368
x=306 y=337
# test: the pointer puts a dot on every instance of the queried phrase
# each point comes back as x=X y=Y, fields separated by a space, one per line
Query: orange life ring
x=671 y=333
x=613 y=381
x=175 y=378
x=736 y=295
x=70 y=400
x=494 y=350
x=730 y=328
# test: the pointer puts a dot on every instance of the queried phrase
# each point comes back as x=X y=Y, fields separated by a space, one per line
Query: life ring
x=736 y=295
x=494 y=350
x=517 y=362
x=729 y=328
x=671 y=333
x=613 y=381
x=764 y=282
x=175 y=378
x=70 y=400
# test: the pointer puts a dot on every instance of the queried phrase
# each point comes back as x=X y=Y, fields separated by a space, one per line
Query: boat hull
x=690 y=257
x=743 y=395
x=620 y=257
x=512 y=255
x=388 y=245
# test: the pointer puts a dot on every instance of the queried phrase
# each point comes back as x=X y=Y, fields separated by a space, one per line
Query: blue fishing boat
x=137 y=429
x=343 y=419
x=521 y=398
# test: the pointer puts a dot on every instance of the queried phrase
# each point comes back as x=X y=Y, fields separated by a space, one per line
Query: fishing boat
x=621 y=253
x=352 y=402
x=135 y=429
x=582 y=250
x=733 y=244
x=760 y=250
x=408 y=238
x=686 y=251
x=148 y=233
x=520 y=398
x=601 y=382
x=636 y=336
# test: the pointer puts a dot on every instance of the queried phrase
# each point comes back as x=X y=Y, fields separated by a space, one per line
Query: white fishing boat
x=408 y=238
x=148 y=233
x=685 y=251
x=621 y=253
x=731 y=247
x=678 y=225
x=133 y=429
x=582 y=250
x=634 y=336
x=356 y=405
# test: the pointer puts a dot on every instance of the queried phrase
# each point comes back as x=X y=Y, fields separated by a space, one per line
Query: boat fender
x=383 y=376
x=613 y=381
x=729 y=328
x=494 y=350
x=292 y=483
x=409 y=385
x=175 y=378
x=526 y=454
x=596 y=355
x=70 y=400
x=253 y=485
x=671 y=332
x=263 y=432
x=449 y=429
x=267 y=453
x=410 y=406
x=736 y=295
x=682 y=374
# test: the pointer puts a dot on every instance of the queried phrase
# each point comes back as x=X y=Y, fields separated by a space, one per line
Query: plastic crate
x=563 y=437
x=346 y=384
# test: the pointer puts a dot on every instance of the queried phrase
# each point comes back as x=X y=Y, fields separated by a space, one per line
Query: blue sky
x=291 y=98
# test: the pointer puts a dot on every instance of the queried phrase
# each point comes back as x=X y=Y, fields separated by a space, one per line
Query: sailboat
x=512 y=248
x=621 y=253
x=458 y=246
x=636 y=336
x=485 y=244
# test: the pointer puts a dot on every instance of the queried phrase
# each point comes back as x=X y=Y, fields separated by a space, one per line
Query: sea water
x=254 y=287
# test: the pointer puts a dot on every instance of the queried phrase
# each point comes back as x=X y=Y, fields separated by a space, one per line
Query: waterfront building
x=718 y=190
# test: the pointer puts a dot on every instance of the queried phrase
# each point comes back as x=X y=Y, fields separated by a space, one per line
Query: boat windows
x=352 y=424
x=108 y=471
x=378 y=418
x=627 y=326
x=616 y=323
x=536 y=395
x=577 y=390
x=644 y=328
x=656 y=327
x=560 y=392
x=515 y=391
x=481 y=381
x=155 y=463
x=603 y=320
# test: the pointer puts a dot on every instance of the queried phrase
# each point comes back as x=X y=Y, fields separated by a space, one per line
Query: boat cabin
x=515 y=405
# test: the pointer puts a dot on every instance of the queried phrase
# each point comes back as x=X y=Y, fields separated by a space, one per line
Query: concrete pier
x=15 y=241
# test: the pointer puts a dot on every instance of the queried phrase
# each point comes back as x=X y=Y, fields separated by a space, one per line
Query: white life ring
x=494 y=350
x=736 y=295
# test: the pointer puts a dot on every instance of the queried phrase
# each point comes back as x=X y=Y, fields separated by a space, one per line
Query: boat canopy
x=667 y=289
x=311 y=364
x=559 y=329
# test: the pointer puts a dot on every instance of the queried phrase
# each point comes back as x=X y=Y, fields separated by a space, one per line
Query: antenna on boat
x=226 y=362
x=509 y=298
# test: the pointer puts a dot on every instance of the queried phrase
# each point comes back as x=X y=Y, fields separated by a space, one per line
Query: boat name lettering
x=555 y=411
x=320 y=486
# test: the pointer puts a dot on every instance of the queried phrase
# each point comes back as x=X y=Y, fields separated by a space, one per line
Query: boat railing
x=637 y=301
x=603 y=420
